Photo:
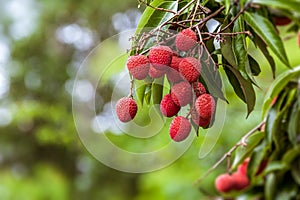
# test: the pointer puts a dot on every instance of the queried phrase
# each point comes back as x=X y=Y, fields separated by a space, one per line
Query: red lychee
x=167 y=106
x=172 y=74
x=205 y=106
x=190 y=68
x=138 y=66
x=160 y=57
x=199 y=89
x=155 y=73
x=202 y=122
x=242 y=168
x=181 y=93
x=240 y=180
x=126 y=109
x=282 y=21
x=186 y=40
x=224 y=183
x=180 y=128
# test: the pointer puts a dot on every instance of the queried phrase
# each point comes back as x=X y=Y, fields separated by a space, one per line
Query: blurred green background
x=42 y=44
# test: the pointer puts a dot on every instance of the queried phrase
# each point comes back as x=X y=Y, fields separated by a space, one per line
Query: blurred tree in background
x=42 y=44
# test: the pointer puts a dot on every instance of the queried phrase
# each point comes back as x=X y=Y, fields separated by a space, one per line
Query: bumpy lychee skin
x=240 y=180
x=224 y=183
x=160 y=57
x=190 y=68
x=138 y=66
x=180 y=128
x=186 y=40
x=167 y=106
x=202 y=122
x=199 y=89
x=181 y=93
x=155 y=73
x=126 y=109
x=172 y=74
x=205 y=106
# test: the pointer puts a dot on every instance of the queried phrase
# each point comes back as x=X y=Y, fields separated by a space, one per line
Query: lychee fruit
x=282 y=21
x=167 y=106
x=224 y=183
x=160 y=57
x=199 y=89
x=181 y=93
x=242 y=168
x=190 y=68
x=205 y=106
x=138 y=66
x=126 y=109
x=180 y=128
x=240 y=180
x=172 y=74
x=155 y=73
x=186 y=40
x=261 y=167
x=202 y=122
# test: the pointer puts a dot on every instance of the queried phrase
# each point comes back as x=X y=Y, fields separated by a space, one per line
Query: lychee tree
x=183 y=45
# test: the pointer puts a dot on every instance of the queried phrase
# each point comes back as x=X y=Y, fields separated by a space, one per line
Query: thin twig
x=203 y=21
x=157 y=8
x=242 y=142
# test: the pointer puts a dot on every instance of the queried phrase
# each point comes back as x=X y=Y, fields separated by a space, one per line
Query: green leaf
x=278 y=85
x=227 y=6
x=270 y=186
x=242 y=87
x=227 y=52
x=263 y=48
x=153 y=18
x=292 y=5
x=265 y=29
x=140 y=88
x=275 y=166
x=291 y=155
x=254 y=66
x=258 y=156
x=296 y=171
x=239 y=44
x=294 y=126
x=148 y=92
x=211 y=75
x=243 y=152
x=157 y=90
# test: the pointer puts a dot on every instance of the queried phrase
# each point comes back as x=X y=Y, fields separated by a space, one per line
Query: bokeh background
x=42 y=45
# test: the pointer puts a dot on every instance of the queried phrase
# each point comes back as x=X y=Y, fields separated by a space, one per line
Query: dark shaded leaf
x=157 y=90
x=294 y=126
x=242 y=87
x=239 y=44
x=210 y=74
x=263 y=47
x=254 y=66
x=265 y=29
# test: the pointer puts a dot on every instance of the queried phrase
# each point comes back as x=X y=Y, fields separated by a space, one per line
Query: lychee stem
x=131 y=87
x=228 y=154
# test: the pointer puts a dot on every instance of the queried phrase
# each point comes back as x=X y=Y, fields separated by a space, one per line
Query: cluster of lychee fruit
x=237 y=181
x=183 y=74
